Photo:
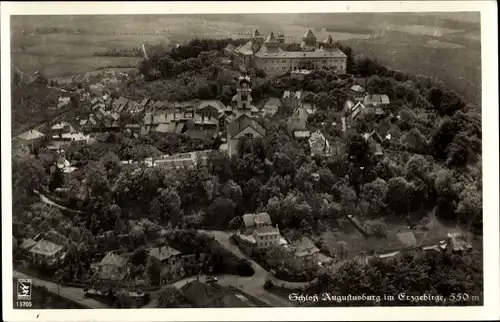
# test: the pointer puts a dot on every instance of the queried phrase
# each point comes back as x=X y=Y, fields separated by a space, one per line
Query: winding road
x=253 y=285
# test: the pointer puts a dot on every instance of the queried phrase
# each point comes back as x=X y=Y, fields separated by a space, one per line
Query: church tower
x=242 y=101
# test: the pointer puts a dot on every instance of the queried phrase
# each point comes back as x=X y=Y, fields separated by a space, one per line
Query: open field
x=442 y=45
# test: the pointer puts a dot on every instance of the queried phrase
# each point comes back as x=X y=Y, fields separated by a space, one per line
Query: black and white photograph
x=210 y=159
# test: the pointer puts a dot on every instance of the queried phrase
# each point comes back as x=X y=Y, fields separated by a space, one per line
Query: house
x=357 y=92
x=172 y=261
x=298 y=120
x=63 y=102
x=242 y=127
x=310 y=108
x=205 y=295
x=209 y=108
x=375 y=141
x=112 y=267
x=305 y=248
x=301 y=134
x=182 y=161
x=271 y=107
x=45 y=252
x=318 y=144
x=25 y=247
x=458 y=243
x=164 y=254
x=291 y=100
x=62 y=128
x=119 y=104
x=258 y=232
x=29 y=140
x=376 y=102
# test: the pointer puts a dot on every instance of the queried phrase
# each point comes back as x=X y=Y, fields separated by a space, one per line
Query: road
x=74 y=294
x=46 y=200
x=253 y=285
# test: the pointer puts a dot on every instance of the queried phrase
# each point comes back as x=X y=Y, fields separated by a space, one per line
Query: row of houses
x=257 y=232
x=174 y=265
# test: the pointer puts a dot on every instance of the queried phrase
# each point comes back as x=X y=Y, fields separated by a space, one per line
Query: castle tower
x=328 y=44
x=309 y=40
x=271 y=41
x=257 y=37
x=281 y=38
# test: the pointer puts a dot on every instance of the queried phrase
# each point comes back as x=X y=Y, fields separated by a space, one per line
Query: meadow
x=441 y=45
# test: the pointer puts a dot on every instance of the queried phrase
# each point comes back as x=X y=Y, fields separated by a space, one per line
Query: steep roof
x=328 y=40
x=200 y=293
x=266 y=230
x=305 y=247
x=27 y=243
x=31 y=135
x=45 y=247
x=247 y=49
x=273 y=102
x=309 y=35
x=242 y=122
x=256 y=33
x=162 y=253
x=376 y=99
x=112 y=259
x=250 y=220
x=215 y=103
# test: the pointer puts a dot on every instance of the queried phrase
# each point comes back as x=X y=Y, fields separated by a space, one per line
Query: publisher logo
x=24 y=289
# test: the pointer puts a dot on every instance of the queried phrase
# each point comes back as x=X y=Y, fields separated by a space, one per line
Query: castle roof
x=328 y=40
x=309 y=35
x=270 y=38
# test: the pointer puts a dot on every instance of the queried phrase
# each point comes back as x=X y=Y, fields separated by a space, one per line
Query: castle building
x=270 y=56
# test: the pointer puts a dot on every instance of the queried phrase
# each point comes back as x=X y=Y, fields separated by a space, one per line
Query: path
x=253 y=285
x=74 y=294
x=46 y=200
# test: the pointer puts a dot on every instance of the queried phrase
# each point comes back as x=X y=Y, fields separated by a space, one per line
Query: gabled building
x=357 y=93
x=62 y=128
x=172 y=262
x=376 y=102
x=271 y=107
x=29 y=140
x=309 y=41
x=64 y=102
x=165 y=254
x=258 y=232
x=242 y=127
x=119 y=104
x=298 y=120
x=205 y=295
x=46 y=253
x=375 y=141
x=318 y=144
x=291 y=101
x=112 y=267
